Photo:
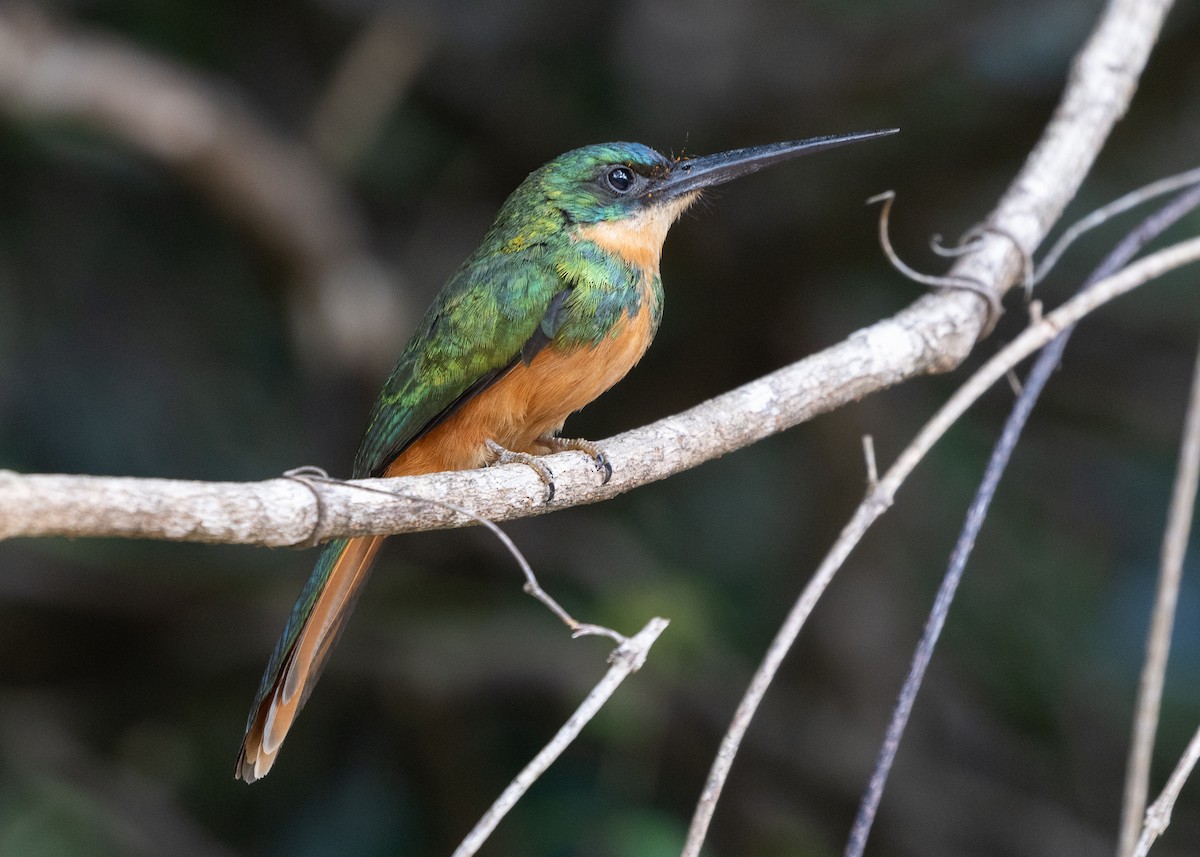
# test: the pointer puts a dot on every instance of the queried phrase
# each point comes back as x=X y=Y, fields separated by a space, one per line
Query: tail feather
x=316 y=622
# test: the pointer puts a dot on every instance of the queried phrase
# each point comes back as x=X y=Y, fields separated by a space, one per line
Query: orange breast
x=530 y=400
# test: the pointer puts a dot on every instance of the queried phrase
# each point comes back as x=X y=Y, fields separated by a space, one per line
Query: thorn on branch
x=1014 y=382
x=868 y=443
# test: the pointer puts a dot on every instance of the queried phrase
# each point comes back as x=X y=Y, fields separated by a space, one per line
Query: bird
x=559 y=301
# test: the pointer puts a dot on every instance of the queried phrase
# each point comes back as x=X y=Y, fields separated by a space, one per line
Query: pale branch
x=626 y=659
x=1103 y=79
x=1158 y=816
x=1158 y=642
x=928 y=337
x=1047 y=363
x=345 y=307
x=881 y=495
x=284 y=512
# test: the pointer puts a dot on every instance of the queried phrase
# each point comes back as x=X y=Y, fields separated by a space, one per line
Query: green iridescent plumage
x=506 y=291
x=501 y=298
x=565 y=268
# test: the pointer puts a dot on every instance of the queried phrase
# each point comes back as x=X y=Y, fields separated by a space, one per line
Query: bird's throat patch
x=638 y=238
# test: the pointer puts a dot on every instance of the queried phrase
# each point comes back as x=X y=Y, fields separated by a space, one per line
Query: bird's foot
x=600 y=461
x=507 y=456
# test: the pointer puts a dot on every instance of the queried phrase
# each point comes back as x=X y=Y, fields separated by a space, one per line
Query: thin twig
x=1158 y=643
x=310 y=474
x=1036 y=381
x=880 y=499
x=990 y=296
x=1158 y=816
x=1107 y=212
x=628 y=658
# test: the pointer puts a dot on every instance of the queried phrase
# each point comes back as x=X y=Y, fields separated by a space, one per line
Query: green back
x=529 y=284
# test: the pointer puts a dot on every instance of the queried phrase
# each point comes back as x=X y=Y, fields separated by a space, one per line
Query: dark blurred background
x=155 y=321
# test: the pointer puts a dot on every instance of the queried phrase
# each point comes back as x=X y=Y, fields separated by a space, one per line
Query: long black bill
x=696 y=173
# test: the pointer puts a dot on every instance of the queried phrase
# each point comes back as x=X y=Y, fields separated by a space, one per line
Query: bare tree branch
x=626 y=659
x=934 y=334
x=1158 y=816
x=1158 y=643
x=284 y=512
x=931 y=336
x=881 y=495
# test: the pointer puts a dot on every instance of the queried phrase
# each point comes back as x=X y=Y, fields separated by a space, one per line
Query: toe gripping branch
x=553 y=443
x=599 y=460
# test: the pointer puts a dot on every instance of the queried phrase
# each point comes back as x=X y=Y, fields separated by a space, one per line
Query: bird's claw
x=599 y=460
x=507 y=456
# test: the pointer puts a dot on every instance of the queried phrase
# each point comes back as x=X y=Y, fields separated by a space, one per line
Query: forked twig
x=1158 y=816
x=627 y=658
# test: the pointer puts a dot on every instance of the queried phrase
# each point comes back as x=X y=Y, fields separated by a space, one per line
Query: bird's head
x=628 y=192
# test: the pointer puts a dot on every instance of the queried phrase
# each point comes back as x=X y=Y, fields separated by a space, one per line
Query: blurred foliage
x=142 y=333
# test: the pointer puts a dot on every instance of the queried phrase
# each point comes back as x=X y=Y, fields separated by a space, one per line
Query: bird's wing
x=491 y=314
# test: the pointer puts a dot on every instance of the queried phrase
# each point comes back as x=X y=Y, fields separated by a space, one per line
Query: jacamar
x=560 y=300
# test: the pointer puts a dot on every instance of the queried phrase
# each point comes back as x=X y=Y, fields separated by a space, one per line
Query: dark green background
x=142 y=332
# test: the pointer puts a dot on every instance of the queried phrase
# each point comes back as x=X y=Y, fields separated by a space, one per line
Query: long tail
x=315 y=624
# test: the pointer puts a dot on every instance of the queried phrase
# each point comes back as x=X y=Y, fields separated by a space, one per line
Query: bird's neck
x=638 y=238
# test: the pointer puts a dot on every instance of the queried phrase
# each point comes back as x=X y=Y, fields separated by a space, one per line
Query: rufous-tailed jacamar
x=560 y=300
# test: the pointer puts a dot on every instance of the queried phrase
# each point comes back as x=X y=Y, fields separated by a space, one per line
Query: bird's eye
x=620 y=179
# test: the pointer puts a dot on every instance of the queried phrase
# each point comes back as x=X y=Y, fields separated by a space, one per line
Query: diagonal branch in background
x=1158 y=646
x=1162 y=620
x=1103 y=79
x=882 y=494
x=629 y=657
x=345 y=306
x=1045 y=365
x=1158 y=816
